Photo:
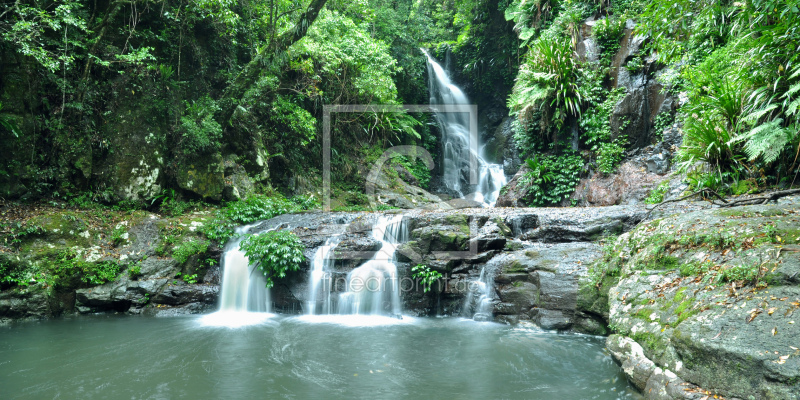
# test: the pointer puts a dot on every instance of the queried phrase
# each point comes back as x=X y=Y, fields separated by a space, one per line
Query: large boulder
x=711 y=297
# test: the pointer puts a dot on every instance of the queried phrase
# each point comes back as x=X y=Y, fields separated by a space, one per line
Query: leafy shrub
x=200 y=132
x=608 y=34
x=100 y=272
x=189 y=248
x=254 y=208
x=259 y=207
x=135 y=271
x=219 y=228
x=16 y=274
x=610 y=154
x=274 y=253
x=69 y=268
x=12 y=233
x=169 y=236
x=551 y=179
x=425 y=275
x=657 y=195
x=118 y=236
x=547 y=81
x=596 y=126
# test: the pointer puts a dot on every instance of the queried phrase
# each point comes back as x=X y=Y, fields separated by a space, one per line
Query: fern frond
x=766 y=141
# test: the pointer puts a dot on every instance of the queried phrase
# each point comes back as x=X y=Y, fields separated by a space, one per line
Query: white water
x=244 y=297
x=456 y=140
x=480 y=299
x=374 y=287
x=319 y=282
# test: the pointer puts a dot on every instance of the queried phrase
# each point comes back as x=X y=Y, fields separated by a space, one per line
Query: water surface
x=309 y=357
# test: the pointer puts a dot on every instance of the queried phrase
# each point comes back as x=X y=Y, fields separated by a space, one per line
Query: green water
x=109 y=357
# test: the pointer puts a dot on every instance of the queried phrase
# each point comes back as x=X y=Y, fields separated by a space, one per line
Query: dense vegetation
x=733 y=63
x=148 y=101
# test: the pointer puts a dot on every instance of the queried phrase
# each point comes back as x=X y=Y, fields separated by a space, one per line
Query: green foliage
x=135 y=271
x=169 y=236
x=635 y=65
x=45 y=33
x=596 y=127
x=12 y=274
x=13 y=232
x=343 y=49
x=425 y=275
x=190 y=279
x=259 y=207
x=8 y=123
x=200 y=132
x=100 y=272
x=118 y=236
x=275 y=253
x=547 y=81
x=417 y=168
x=252 y=209
x=189 y=248
x=551 y=179
x=68 y=267
x=742 y=80
x=657 y=195
x=608 y=34
x=529 y=17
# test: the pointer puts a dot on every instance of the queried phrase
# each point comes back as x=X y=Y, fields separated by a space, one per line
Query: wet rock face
x=631 y=184
x=540 y=284
x=535 y=256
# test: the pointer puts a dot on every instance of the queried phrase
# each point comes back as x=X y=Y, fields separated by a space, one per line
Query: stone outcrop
x=711 y=297
x=149 y=280
x=631 y=184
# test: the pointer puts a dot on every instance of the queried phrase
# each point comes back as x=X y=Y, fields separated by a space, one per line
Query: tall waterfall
x=456 y=142
x=374 y=287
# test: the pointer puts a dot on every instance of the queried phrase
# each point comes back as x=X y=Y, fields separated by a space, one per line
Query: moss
x=532 y=253
x=513 y=246
x=679 y=295
x=514 y=266
x=652 y=343
x=684 y=313
x=643 y=313
x=456 y=219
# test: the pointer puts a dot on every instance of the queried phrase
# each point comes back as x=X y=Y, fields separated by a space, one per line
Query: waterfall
x=244 y=297
x=319 y=282
x=480 y=299
x=374 y=287
x=456 y=151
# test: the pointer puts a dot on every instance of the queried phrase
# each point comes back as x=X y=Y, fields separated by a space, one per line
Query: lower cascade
x=481 y=298
x=319 y=282
x=244 y=296
x=243 y=287
x=374 y=287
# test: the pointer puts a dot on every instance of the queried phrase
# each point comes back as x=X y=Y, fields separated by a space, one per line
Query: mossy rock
x=203 y=177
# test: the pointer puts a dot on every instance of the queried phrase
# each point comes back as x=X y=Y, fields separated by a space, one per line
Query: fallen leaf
x=774 y=331
x=771 y=310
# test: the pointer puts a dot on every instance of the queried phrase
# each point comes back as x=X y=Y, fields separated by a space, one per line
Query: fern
x=766 y=141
